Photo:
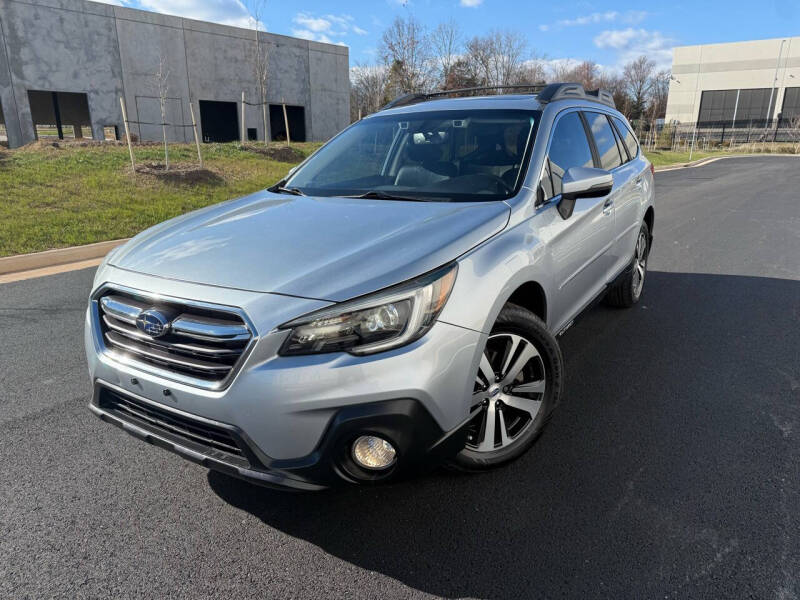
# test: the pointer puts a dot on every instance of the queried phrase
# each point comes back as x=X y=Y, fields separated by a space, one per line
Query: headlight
x=387 y=319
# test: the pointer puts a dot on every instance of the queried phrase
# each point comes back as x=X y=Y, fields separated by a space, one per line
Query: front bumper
x=420 y=442
x=294 y=413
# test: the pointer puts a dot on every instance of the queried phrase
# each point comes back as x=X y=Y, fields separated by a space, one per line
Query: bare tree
x=497 y=58
x=446 y=44
x=406 y=50
x=659 y=91
x=532 y=72
x=560 y=70
x=637 y=77
x=162 y=84
x=368 y=89
x=509 y=51
x=257 y=9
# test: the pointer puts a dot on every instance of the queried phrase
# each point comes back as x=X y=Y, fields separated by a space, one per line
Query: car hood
x=314 y=247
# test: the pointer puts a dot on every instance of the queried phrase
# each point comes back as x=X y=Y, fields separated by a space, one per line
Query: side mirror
x=582 y=182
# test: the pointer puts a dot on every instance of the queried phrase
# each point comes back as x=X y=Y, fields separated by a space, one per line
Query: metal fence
x=706 y=135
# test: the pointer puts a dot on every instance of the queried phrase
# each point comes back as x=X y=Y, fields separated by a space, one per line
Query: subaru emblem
x=153 y=322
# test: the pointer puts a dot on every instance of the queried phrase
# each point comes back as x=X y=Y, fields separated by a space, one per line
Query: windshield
x=441 y=156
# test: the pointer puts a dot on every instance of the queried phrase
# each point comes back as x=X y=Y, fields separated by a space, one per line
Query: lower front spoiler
x=420 y=443
x=275 y=480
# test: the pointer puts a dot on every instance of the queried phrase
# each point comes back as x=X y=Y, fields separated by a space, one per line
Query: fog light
x=371 y=452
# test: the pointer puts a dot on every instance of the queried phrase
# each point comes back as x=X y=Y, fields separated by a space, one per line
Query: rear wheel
x=519 y=381
x=628 y=289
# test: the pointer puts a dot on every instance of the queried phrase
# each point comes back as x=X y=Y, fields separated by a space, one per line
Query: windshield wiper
x=284 y=190
x=378 y=195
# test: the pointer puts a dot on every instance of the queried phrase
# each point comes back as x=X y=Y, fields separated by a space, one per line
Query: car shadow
x=645 y=483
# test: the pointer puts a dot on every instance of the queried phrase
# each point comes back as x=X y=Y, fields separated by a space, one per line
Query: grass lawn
x=53 y=197
x=663 y=158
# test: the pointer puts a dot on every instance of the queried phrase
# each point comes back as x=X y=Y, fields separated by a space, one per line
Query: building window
x=791 y=105
x=718 y=105
x=60 y=114
x=746 y=107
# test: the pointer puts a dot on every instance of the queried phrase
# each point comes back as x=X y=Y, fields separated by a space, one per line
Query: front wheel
x=519 y=382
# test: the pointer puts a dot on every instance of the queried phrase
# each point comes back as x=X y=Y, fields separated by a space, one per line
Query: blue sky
x=610 y=33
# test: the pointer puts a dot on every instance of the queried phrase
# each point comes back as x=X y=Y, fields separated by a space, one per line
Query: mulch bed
x=178 y=173
x=279 y=153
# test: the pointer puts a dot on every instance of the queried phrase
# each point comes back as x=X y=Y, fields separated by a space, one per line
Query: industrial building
x=742 y=83
x=65 y=63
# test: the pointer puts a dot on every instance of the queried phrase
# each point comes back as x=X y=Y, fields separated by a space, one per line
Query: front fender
x=490 y=273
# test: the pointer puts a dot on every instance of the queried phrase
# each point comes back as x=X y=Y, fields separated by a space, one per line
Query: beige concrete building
x=741 y=82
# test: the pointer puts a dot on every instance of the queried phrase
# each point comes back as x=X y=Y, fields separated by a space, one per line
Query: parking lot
x=672 y=469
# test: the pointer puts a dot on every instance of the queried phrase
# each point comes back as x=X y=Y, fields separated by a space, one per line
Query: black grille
x=201 y=343
x=192 y=433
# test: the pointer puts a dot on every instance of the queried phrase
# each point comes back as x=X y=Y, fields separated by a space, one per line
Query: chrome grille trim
x=209 y=329
x=205 y=345
x=119 y=309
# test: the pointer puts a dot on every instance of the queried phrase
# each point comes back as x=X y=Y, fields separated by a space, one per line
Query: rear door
x=580 y=244
x=614 y=158
x=629 y=209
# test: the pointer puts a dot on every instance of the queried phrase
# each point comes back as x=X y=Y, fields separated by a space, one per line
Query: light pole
x=694 y=103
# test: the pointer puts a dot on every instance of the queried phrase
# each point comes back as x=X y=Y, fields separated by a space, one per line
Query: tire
x=520 y=403
x=627 y=290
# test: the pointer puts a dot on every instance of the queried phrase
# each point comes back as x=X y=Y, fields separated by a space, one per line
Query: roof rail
x=564 y=91
x=407 y=99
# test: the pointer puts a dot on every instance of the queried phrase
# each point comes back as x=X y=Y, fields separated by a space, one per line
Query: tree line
x=415 y=58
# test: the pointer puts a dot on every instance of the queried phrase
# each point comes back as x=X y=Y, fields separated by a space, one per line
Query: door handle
x=608 y=206
x=639 y=180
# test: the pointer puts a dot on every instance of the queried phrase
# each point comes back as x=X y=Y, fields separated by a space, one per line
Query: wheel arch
x=649 y=218
x=530 y=296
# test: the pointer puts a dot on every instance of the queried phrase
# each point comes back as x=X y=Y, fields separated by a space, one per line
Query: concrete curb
x=61 y=256
x=709 y=159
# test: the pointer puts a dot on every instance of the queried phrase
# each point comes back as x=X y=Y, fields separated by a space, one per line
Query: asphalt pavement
x=671 y=470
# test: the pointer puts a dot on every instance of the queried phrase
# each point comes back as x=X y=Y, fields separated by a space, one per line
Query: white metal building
x=740 y=82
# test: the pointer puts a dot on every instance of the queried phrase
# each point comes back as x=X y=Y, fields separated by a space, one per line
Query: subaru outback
x=394 y=303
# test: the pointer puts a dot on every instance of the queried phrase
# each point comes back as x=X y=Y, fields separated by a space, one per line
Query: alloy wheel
x=508 y=393
x=639 y=264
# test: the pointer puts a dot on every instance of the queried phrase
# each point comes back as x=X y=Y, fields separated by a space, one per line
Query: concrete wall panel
x=739 y=65
x=108 y=51
x=80 y=55
x=141 y=47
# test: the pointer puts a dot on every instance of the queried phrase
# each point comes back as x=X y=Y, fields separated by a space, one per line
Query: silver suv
x=392 y=304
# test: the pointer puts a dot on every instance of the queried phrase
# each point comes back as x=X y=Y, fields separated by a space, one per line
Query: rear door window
x=569 y=148
x=604 y=139
x=627 y=137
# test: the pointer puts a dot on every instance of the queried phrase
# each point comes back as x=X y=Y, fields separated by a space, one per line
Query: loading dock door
x=219 y=121
x=54 y=112
x=297 y=122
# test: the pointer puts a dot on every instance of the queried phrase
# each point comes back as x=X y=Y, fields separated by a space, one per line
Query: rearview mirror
x=582 y=182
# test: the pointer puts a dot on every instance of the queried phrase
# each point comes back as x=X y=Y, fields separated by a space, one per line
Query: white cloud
x=226 y=12
x=471 y=3
x=631 y=17
x=631 y=43
x=589 y=19
x=312 y=23
x=324 y=28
